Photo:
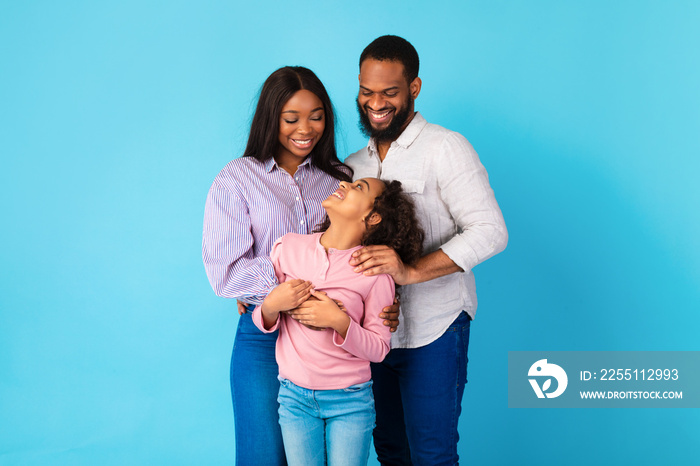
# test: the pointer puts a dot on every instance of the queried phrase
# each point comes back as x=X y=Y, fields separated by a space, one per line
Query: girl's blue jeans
x=322 y=427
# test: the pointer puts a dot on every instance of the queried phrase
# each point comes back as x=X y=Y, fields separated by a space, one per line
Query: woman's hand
x=322 y=312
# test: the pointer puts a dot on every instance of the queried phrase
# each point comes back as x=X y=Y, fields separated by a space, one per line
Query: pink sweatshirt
x=321 y=359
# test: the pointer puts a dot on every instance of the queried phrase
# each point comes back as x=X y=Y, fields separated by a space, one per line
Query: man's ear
x=373 y=219
x=414 y=87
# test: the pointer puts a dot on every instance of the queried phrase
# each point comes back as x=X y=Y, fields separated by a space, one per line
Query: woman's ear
x=373 y=219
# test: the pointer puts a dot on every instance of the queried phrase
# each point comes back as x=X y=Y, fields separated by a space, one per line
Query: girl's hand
x=322 y=312
x=285 y=296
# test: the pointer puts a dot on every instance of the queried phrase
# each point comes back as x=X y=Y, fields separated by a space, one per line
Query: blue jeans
x=418 y=392
x=322 y=427
x=254 y=388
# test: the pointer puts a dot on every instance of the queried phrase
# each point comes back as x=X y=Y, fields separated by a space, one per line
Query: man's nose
x=376 y=102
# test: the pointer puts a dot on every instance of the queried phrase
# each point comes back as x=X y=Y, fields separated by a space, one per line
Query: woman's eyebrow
x=296 y=111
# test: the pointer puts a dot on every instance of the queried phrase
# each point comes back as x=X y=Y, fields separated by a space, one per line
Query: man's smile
x=381 y=116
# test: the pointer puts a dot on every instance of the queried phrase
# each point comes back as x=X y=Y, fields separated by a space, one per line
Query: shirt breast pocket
x=413 y=186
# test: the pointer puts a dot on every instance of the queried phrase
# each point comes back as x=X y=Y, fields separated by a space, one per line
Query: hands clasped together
x=316 y=310
x=302 y=302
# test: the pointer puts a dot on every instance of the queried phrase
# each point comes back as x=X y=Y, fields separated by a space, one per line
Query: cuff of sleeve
x=268 y=279
x=339 y=341
x=459 y=251
x=258 y=321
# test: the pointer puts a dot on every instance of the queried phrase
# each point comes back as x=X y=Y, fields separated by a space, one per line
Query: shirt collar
x=408 y=135
x=271 y=163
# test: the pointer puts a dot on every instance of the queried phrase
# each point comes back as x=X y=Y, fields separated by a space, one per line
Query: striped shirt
x=250 y=205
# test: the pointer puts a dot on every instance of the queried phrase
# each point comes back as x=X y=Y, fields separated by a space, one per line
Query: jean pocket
x=462 y=322
x=358 y=387
x=283 y=382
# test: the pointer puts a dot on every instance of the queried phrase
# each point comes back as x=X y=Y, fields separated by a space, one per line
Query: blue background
x=116 y=116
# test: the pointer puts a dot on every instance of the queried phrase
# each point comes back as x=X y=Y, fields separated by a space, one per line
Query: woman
x=289 y=167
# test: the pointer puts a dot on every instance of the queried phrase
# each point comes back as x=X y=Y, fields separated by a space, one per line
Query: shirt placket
x=325 y=262
x=296 y=183
x=374 y=156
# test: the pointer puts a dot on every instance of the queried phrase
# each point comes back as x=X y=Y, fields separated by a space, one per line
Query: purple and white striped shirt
x=250 y=205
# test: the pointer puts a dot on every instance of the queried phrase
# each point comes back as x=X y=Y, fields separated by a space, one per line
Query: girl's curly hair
x=399 y=228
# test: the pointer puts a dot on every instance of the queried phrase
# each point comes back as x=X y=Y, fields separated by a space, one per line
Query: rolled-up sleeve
x=227 y=249
x=465 y=189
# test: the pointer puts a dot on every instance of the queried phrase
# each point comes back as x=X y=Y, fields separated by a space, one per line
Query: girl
x=326 y=403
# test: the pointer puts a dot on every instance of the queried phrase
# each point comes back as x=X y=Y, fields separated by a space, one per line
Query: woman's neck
x=288 y=164
x=342 y=236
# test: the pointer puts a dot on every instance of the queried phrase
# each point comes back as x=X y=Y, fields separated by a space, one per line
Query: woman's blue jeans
x=322 y=427
x=418 y=393
x=254 y=389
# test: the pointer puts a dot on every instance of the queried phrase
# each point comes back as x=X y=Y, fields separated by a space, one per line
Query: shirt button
x=302 y=222
x=297 y=198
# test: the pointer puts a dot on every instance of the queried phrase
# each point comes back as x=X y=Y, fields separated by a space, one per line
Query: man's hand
x=390 y=314
x=375 y=260
x=322 y=312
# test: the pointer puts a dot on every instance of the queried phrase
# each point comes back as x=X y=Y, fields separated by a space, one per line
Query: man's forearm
x=434 y=265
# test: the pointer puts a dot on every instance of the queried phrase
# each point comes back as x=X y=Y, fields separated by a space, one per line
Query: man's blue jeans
x=254 y=389
x=322 y=427
x=418 y=393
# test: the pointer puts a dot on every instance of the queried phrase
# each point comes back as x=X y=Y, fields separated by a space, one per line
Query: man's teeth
x=379 y=116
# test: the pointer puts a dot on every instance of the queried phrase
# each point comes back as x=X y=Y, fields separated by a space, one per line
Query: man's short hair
x=394 y=48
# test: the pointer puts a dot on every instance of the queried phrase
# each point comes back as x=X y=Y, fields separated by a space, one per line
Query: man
x=418 y=388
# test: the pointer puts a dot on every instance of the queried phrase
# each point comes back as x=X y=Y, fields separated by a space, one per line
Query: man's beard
x=391 y=132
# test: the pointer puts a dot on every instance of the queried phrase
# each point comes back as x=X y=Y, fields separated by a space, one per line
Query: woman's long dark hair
x=278 y=88
x=399 y=228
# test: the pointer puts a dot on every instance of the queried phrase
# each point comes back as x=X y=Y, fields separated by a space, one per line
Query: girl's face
x=354 y=201
x=302 y=122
